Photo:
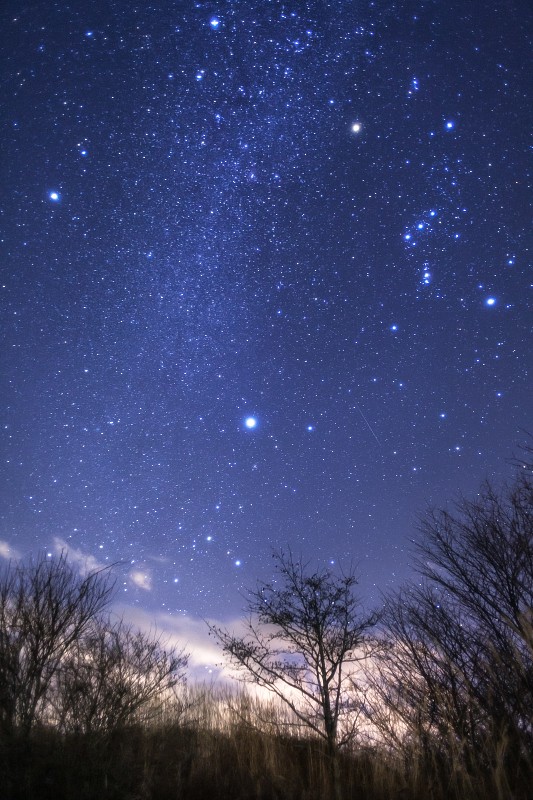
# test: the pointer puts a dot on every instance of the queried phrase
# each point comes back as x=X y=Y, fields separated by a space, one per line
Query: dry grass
x=230 y=746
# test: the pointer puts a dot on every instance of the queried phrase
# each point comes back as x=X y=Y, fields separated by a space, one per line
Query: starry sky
x=266 y=281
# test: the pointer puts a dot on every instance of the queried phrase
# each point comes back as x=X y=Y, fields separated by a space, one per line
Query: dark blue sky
x=313 y=215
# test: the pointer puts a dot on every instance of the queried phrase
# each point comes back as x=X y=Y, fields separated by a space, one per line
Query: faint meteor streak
x=368 y=425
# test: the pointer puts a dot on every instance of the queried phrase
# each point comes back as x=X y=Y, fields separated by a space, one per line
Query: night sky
x=266 y=282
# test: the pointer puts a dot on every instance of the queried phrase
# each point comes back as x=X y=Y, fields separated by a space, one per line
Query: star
x=292 y=235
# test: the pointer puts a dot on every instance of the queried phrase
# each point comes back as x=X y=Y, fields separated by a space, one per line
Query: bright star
x=490 y=301
x=214 y=22
x=357 y=127
x=450 y=125
x=54 y=197
x=250 y=422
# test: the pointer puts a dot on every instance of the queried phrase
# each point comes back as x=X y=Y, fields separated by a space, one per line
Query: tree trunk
x=335 y=772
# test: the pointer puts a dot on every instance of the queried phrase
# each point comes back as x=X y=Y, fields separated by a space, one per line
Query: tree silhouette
x=112 y=673
x=65 y=664
x=304 y=634
x=457 y=677
x=45 y=607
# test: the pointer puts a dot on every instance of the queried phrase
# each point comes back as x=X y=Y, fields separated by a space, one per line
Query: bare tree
x=111 y=674
x=63 y=660
x=457 y=677
x=45 y=607
x=302 y=641
x=480 y=562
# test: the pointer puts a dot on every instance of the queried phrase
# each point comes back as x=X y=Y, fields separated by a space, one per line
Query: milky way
x=265 y=282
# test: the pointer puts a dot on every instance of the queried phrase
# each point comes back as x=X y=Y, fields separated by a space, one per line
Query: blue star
x=250 y=422
x=490 y=301
x=54 y=196
x=215 y=23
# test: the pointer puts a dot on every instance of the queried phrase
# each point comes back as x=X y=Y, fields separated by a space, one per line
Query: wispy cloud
x=206 y=660
x=84 y=561
x=7 y=551
x=142 y=578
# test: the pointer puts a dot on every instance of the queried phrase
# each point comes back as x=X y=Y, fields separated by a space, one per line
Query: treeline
x=431 y=696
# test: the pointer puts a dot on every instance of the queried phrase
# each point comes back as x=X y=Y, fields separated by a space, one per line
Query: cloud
x=142 y=578
x=84 y=561
x=7 y=551
x=159 y=559
x=206 y=660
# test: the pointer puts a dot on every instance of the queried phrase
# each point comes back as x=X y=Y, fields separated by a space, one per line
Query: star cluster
x=266 y=281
